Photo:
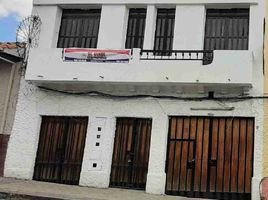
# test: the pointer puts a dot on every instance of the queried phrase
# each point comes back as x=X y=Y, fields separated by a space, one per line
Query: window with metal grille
x=79 y=28
x=227 y=29
x=136 y=27
x=164 y=32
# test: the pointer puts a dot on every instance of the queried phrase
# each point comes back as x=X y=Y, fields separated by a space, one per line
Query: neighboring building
x=176 y=117
x=9 y=88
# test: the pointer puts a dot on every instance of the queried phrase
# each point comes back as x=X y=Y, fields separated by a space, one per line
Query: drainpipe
x=9 y=90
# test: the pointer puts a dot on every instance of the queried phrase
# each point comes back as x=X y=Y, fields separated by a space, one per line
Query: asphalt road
x=5 y=196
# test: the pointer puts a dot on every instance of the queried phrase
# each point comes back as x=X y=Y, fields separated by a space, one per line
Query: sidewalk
x=58 y=191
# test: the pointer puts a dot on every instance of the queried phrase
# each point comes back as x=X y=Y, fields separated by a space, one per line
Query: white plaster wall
x=225 y=69
x=256 y=30
x=51 y=19
x=189 y=27
x=34 y=103
x=256 y=45
x=150 y=26
x=188 y=34
x=113 y=25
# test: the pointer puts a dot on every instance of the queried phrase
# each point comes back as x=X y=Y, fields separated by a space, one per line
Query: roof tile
x=9 y=45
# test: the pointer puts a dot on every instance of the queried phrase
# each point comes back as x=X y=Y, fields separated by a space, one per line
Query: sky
x=11 y=14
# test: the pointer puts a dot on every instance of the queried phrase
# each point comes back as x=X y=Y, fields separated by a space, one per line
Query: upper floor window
x=79 y=28
x=136 y=27
x=164 y=32
x=227 y=29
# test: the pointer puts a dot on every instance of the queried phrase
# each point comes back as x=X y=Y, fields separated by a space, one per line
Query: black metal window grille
x=79 y=28
x=136 y=27
x=164 y=32
x=227 y=29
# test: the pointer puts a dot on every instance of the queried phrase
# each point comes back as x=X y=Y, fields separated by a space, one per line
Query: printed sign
x=95 y=55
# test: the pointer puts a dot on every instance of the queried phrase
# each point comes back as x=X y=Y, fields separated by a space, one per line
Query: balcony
x=147 y=72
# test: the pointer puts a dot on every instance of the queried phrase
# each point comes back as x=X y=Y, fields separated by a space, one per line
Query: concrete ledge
x=94 y=179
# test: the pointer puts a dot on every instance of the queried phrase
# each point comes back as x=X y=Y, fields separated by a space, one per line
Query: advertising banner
x=96 y=55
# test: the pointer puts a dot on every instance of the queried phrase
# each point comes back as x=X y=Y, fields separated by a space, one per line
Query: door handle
x=130 y=157
x=191 y=164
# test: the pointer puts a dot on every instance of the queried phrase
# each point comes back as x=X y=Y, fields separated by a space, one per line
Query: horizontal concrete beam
x=159 y=2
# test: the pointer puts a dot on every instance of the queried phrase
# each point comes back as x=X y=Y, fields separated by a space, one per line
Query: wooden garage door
x=210 y=157
x=60 y=150
x=131 y=153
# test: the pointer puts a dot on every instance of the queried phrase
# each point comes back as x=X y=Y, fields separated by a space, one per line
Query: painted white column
x=256 y=46
x=97 y=160
x=150 y=27
x=51 y=20
x=189 y=27
x=113 y=25
x=256 y=29
x=156 y=178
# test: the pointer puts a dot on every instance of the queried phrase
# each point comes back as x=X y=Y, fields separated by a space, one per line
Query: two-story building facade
x=153 y=95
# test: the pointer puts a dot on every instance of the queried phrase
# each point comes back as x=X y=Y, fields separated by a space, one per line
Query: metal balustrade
x=192 y=55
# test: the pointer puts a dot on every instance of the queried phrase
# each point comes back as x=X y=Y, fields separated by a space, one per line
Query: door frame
x=40 y=122
x=209 y=194
x=113 y=146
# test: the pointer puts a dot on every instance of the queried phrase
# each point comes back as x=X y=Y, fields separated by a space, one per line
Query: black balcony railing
x=192 y=55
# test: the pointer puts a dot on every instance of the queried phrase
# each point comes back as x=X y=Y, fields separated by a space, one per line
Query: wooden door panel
x=249 y=155
x=242 y=155
x=220 y=156
x=48 y=158
x=213 y=154
x=191 y=153
x=204 y=158
x=141 y=157
x=184 y=155
x=122 y=145
x=227 y=155
x=180 y=154
x=74 y=150
x=60 y=149
x=222 y=151
x=198 y=157
x=235 y=155
x=131 y=153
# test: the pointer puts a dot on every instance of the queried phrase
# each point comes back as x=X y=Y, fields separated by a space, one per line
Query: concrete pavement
x=59 y=191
